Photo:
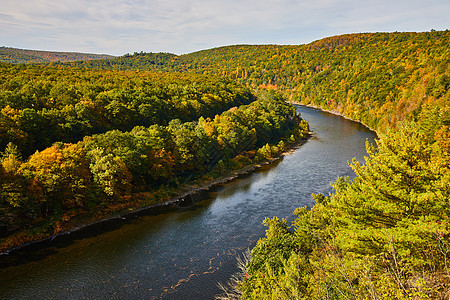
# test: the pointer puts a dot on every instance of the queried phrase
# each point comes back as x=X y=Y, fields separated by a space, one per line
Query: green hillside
x=370 y=77
x=22 y=56
x=382 y=235
x=78 y=145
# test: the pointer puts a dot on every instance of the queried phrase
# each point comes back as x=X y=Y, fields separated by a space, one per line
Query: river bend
x=182 y=253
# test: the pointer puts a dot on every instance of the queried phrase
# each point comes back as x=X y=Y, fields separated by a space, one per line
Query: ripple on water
x=183 y=253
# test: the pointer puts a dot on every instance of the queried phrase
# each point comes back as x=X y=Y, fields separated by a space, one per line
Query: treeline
x=22 y=56
x=68 y=183
x=141 y=61
x=232 y=61
x=383 y=235
x=41 y=105
x=376 y=78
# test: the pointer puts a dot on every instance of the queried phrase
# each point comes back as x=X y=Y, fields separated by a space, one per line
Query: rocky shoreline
x=176 y=200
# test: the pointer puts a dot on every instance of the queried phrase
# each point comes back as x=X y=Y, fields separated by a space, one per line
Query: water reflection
x=184 y=252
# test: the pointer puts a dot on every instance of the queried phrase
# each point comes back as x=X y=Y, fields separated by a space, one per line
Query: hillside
x=78 y=145
x=368 y=77
x=382 y=235
x=22 y=56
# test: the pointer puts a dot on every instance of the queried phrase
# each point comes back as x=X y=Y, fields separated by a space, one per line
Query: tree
x=110 y=173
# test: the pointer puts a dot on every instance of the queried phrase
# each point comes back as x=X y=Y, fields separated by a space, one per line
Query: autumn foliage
x=381 y=235
x=95 y=151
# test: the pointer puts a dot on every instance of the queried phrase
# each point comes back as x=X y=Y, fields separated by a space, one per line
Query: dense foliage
x=14 y=55
x=377 y=78
x=64 y=184
x=41 y=105
x=382 y=235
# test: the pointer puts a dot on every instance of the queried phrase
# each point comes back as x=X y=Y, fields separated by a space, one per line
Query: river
x=182 y=253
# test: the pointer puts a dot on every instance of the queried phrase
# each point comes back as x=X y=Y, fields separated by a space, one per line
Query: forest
x=377 y=78
x=80 y=145
x=381 y=235
x=43 y=105
x=23 y=56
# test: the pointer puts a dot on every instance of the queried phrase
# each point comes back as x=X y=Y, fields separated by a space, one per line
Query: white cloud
x=182 y=26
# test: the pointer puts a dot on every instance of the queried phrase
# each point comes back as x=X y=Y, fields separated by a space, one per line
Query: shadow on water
x=194 y=203
x=182 y=252
x=48 y=247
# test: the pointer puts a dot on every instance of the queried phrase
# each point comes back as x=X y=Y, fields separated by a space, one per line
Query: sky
x=117 y=27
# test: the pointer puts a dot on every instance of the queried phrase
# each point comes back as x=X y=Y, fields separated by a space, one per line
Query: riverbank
x=334 y=112
x=184 y=193
x=196 y=246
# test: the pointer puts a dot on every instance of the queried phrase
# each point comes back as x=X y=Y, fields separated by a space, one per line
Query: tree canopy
x=102 y=139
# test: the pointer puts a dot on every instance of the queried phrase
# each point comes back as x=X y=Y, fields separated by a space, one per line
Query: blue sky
x=117 y=27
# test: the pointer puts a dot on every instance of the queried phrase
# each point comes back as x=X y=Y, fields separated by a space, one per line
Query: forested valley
x=382 y=235
x=79 y=145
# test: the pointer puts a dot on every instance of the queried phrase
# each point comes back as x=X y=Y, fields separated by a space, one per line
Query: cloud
x=182 y=26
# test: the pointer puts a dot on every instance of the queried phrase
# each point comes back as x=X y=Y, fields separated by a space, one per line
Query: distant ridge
x=22 y=56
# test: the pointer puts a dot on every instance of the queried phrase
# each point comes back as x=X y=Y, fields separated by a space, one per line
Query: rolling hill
x=383 y=235
x=14 y=55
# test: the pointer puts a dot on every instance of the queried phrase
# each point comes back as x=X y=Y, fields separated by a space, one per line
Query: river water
x=182 y=253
